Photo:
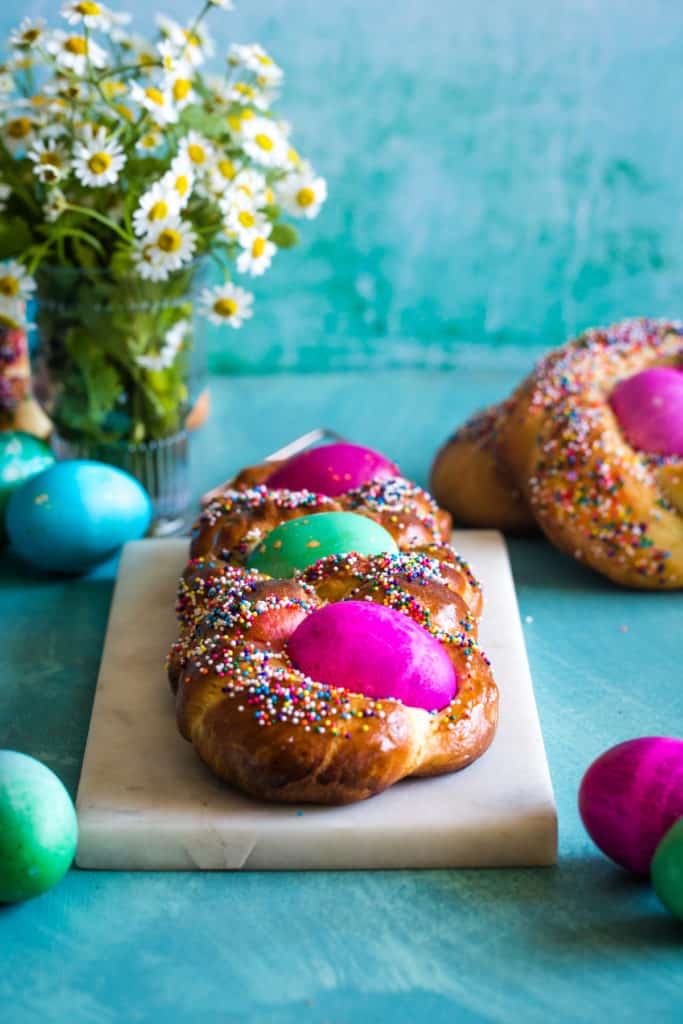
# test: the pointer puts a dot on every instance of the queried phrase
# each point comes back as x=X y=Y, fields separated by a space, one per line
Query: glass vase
x=121 y=371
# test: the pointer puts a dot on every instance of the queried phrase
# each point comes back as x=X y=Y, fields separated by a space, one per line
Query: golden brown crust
x=617 y=509
x=472 y=481
x=263 y=726
x=233 y=523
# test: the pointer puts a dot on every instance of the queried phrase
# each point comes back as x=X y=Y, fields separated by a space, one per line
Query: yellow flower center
x=9 y=286
x=182 y=184
x=19 y=128
x=192 y=38
x=99 y=162
x=76 y=45
x=264 y=59
x=246 y=218
x=158 y=211
x=169 y=240
x=293 y=156
x=244 y=188
x=149 y=141
x=196 y=153
x=31 y=35
x=225 y=307
x=181 y=88
x=247 y=115
x=124 y=111
x=264 y=141
x=50 y=157
x=245 y=90
x=147 y=59
x=88 y=9
x=227 y=169
x=270 y=198
x=258 y=247
x=155 y=95
x=113 y=88
x=305 y=197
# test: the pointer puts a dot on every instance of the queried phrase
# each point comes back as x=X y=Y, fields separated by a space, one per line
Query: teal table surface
x=580 y=942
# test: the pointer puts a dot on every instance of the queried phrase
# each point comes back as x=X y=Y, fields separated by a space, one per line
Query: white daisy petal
x=159 y=205
x=227 y=304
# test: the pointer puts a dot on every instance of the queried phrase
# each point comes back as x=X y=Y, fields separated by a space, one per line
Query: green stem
x=75 y=208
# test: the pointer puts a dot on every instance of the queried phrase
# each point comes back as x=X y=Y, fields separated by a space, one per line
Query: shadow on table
x=51 y=655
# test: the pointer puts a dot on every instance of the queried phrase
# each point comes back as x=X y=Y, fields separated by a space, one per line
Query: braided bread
x=261 y=723
x=568 y=452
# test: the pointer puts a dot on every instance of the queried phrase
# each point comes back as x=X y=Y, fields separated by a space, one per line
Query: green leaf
x=15 y=237
x=284 y=236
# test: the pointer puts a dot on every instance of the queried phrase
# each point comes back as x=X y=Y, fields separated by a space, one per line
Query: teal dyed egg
x=298 y=543
x=667 y=870
x=21 y=457
x=38 y=828
x=75 y=514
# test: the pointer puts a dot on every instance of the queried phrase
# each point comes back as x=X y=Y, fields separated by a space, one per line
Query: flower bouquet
x=126 y=171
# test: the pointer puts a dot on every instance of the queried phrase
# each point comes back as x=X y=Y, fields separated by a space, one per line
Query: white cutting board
x=146 y=802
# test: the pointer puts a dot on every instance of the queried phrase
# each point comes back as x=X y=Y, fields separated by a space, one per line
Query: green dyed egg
x=667 y=870
x=300 y=542
x=21 y=456
x=38 y=828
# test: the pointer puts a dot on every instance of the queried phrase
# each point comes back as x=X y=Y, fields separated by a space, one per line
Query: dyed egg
x=300 y=542
x=75 y=514
x=332 y=469
x=649 y=407
x=38 y=828
x=630 y=796
x=374 y=650
x=667 y=870
x=21 y=457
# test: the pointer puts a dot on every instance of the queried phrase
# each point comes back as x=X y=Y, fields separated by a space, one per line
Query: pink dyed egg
x=649 y=407
x=371 y=649
x=631 y=796
x=332 y=469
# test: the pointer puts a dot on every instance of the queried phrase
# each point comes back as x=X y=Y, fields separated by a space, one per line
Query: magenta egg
x=371 y=649
x=332 y=469
x=649 y=407
x=631 y=796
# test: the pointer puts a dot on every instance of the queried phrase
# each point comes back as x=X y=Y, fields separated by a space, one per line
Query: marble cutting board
x=146 y=802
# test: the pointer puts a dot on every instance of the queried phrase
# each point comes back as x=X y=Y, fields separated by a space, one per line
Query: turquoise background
x=501 y=174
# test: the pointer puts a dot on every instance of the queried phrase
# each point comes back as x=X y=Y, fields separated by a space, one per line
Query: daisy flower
x=12 y=314
x=264 y=142
x=5 y=193
x=50 y=160
x=98 y=160
x=179 y=84
x=74 y=52
x=88 y=13
x=158 y=102
x=179 y=178
x=256 y=259
x=18 y=133
x=254 y=58
x=252 y=184
x=28 y=33
x=243 y=92
x=55 y=205
x=195 y=45
x=243 y=222
x=150 y=141
x=173 y=342
x=302 y=194
x=198 y=151
x=157 y=206
x=221 y=175
x=165 y=249
x=227 y=304
x=15 y=283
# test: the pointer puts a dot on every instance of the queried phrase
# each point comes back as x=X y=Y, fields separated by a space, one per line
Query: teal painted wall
x=501 y=174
